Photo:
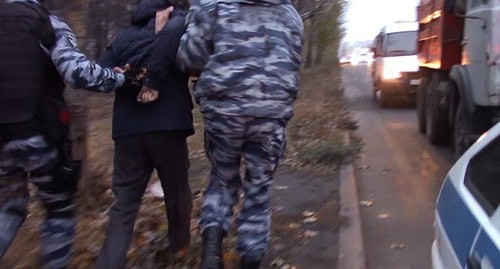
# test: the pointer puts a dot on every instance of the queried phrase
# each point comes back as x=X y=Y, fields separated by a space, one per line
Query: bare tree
x=323 y=26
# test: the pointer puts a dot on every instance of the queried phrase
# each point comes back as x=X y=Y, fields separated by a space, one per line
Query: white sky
x=364 y=18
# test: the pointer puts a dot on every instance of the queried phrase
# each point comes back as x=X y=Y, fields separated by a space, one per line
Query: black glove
x=133 y=80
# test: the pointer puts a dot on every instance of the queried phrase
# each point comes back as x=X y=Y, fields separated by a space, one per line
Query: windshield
x=402 y=43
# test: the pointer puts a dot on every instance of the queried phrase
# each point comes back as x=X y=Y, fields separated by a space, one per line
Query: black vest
x=27 y=74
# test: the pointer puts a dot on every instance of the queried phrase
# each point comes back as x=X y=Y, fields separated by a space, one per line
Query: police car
x=467 y=224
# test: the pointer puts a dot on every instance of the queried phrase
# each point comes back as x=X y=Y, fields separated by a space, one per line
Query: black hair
x=181 y=4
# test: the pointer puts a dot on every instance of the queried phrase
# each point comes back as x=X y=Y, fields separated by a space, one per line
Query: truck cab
x=395 y=66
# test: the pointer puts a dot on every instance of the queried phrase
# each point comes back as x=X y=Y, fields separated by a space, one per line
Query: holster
x=54 y=121
x=67 y=175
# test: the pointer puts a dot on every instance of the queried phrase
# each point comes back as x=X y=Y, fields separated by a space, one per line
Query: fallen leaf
x=294 y=226
x=280 y=188
x=397 y=246
x=309 y=234
x=366 y=203
x=278 y=262
x=278 y=208
x=312 y=219
x=383 y=216
x=308 y=214
x=385 y=171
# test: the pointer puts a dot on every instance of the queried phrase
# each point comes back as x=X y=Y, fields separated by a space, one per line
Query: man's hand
x=147 y=95
x=120 y=70
x=162 y=18
x=133 y=78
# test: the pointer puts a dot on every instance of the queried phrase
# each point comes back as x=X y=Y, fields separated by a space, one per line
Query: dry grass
x=322 y=131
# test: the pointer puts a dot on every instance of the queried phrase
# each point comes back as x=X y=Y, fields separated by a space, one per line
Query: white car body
x=467 y=224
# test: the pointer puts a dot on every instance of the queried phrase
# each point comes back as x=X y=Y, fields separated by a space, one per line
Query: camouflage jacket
x=248 y=55
x=73 y=66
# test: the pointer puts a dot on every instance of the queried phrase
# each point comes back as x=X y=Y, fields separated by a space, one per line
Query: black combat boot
x=249 y=262
x=212 y=257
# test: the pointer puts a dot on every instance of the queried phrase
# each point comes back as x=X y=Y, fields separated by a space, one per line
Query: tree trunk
x=310 y=44
x=320 y=52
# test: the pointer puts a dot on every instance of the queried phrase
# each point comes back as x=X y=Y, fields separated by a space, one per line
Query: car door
x=483 y=181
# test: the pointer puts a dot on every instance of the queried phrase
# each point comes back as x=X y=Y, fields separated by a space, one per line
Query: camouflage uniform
x=247 y=53
x=24 y=150
x=73 y=65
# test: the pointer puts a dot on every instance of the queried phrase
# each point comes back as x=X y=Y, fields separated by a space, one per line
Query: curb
x=351 y=249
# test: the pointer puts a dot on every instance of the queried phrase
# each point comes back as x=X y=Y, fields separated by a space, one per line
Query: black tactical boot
x=212 y=257
x=249 y=263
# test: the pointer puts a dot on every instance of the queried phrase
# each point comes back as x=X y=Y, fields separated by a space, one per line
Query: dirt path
x=298 y=197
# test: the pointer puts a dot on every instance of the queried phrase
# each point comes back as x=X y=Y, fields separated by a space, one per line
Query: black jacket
x=138 y=46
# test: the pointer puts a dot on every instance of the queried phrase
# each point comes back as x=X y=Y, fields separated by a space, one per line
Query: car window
x=483 y=176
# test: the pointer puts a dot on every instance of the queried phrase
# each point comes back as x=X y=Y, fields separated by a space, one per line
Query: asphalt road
x=399 y=175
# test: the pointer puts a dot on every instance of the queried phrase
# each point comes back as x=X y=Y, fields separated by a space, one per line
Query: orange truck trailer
x=458 y=98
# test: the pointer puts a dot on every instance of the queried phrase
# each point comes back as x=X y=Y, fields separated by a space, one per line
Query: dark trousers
x=135 y=159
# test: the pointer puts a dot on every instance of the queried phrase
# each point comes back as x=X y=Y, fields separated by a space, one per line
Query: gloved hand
x=133 y=79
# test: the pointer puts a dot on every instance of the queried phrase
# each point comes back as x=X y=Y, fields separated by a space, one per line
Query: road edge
x=351 y=248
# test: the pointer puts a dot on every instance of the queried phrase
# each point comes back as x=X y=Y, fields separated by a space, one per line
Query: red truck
x=458 y=98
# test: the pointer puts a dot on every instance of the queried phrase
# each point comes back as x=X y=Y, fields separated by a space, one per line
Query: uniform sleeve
x=164 y=52
x=75 y=68
x=196 y=44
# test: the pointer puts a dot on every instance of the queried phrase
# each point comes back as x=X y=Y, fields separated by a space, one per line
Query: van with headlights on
x=395 y=66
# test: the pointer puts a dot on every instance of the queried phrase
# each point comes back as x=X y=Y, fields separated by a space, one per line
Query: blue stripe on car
x=486 y=248
x=458 y=222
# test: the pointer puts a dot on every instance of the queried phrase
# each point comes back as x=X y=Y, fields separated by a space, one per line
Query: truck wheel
x=385 y=99
x=436 y=122
x=376 y=88
x=420 y=95
x=412 y=99
x=462 y=131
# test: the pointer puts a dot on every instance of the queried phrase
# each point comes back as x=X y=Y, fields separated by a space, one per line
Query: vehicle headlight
x=391 y=72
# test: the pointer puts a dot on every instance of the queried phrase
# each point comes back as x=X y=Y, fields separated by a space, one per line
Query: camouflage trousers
x=34 y=157
x=260 y=143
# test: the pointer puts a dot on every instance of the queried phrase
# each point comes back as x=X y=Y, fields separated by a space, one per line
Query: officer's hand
x=133 y=79
x=162 y=18
x=147 y=95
